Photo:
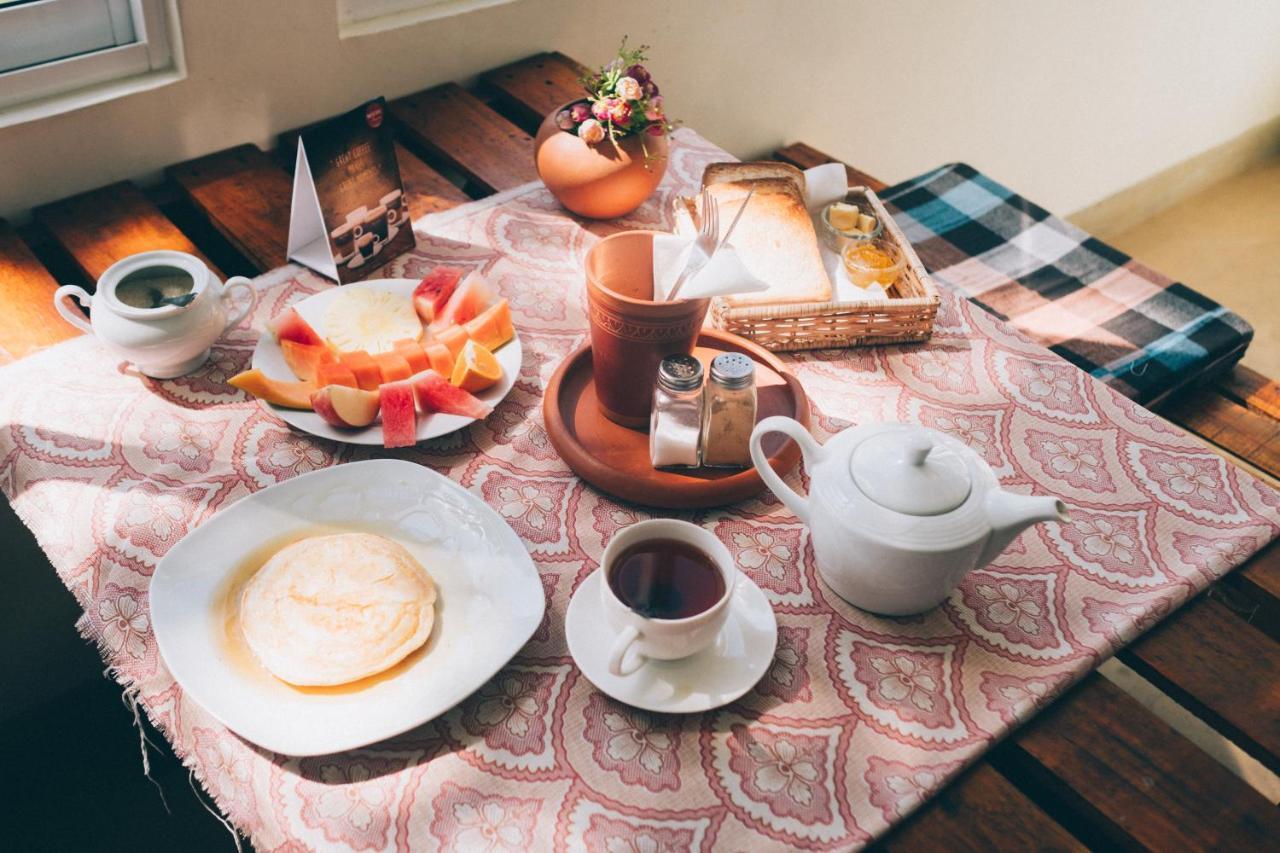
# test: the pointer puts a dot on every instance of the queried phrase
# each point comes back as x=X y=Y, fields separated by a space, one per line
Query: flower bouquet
x=602 y=155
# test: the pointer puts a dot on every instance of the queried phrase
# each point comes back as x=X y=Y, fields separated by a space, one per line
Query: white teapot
x=899 y=513
x=169 y=340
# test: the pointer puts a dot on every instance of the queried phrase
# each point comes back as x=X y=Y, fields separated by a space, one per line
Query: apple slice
x=345 y=407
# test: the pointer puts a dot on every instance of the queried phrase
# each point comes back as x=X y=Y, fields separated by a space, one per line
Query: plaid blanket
x=1135 y=329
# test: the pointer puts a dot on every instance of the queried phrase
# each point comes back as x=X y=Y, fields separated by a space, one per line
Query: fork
x=704 y=245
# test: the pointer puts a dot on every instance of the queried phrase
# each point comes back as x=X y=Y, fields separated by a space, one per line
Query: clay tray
x=615 y=459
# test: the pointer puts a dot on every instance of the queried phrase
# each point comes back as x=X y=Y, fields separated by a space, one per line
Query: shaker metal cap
x=733 y=370
x=680 y=373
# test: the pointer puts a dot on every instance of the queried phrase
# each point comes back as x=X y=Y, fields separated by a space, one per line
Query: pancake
x=333 y=609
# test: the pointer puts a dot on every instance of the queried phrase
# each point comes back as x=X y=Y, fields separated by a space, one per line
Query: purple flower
x=579 y=112
x=639 y=73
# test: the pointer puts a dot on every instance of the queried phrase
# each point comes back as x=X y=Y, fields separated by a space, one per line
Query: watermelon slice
x=433 y=292
x=436 y=394
x=368 y=375
x=399 y=420
x=335 y=374
x=471 y=298
x=413 y=353
x=290 y=326
x=290 y=395
x=492 y=328
x=393 y=366
x=441 y=359
x=303 y=359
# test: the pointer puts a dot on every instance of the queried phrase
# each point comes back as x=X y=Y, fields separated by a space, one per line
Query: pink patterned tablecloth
x=859 y=719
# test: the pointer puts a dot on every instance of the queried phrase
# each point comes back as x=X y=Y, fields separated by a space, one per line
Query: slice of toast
x=721 y=173
x=775 y=237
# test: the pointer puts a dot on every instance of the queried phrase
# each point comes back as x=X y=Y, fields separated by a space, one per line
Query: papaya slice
x=441 y=359
x=413 y=353
x=368 y=375
x=303 y=359
x=290 y=395
x=335 y=374
x=492 y=328
x=393 y=366
x=454 y=338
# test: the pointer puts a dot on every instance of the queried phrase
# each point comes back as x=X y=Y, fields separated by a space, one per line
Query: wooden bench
x=1095 y=769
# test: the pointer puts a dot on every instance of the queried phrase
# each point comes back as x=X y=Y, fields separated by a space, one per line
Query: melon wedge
x=413 y=353
x=393 y=366
x=433 y=292
x=441 y=359
x=336 y=374
x=492 y=328
x=469 y=300
x=368 y=375
x=303 y=359
x=399 y=420
x=454 y=338
x=290 y=326
x=435 y=394
x=290 y=395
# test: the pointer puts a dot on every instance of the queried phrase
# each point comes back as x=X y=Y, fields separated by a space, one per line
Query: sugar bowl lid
x=910 y=471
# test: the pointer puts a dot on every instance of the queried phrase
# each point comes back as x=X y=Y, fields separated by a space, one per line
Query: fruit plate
x=615 y=459
x=269 y=358
x=479 y=565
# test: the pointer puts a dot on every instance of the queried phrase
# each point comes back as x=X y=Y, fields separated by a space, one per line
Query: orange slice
x=476 y=368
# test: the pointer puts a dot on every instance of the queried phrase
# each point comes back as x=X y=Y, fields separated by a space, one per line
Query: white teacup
x=639 y=637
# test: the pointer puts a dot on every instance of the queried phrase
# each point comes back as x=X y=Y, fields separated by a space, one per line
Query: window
x=364 y=17
x=58 y=55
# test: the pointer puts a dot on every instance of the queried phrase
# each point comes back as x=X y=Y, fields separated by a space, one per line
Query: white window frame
x=153 y=59
x=366 y=17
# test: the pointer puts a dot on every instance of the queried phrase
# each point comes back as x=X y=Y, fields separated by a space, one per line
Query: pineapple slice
x=371 y=320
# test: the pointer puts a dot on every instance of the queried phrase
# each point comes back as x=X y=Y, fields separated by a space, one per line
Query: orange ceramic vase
x=600 y=181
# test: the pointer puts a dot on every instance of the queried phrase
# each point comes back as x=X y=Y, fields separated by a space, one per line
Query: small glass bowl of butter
x=849 y=221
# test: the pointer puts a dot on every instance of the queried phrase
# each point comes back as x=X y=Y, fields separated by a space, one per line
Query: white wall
x=1066 y=101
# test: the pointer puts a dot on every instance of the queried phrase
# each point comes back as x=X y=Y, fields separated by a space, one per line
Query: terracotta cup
x=630 y=333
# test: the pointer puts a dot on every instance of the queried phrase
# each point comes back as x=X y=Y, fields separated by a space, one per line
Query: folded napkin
x=725 y=272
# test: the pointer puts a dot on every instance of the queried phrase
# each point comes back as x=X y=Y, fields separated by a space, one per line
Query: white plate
x=479 y=565
x=713 y=677
x=269 y=358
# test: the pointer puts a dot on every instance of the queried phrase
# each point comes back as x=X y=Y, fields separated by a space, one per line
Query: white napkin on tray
x=725 y=273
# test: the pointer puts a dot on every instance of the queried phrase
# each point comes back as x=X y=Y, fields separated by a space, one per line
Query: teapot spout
x=1009 y=514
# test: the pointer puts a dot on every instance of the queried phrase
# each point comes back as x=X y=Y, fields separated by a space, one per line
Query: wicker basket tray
x=903 y=318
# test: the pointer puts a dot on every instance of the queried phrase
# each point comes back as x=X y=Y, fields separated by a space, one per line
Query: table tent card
x=349 y=214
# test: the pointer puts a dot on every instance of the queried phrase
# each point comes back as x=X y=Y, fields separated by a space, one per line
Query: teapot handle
x=810 y=450
x=68 y=313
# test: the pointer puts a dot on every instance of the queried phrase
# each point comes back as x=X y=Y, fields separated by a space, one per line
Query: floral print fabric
x=858 y=720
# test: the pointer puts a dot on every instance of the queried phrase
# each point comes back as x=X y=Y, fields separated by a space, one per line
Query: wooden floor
x=1096 y=769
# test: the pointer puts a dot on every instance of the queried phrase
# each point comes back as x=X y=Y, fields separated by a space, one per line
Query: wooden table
x=1095 y=769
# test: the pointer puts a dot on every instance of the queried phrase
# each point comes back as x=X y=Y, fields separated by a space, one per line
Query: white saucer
x=713 y=677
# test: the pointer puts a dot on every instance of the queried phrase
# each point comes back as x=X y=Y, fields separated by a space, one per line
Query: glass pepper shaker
x=676 y=422
x=729 y=411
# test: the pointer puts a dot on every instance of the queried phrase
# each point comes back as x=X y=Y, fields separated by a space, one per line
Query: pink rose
x=629 y=90
x=619 y=111
x=638 y=73
x=579 y=112
x=591 y=131
x=564 y=121
x=600 y=109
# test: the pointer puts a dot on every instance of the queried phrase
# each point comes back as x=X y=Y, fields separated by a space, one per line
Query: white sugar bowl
x=899 y=513
x=168 y=340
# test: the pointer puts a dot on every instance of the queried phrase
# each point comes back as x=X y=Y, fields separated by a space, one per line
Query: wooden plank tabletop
x=102 y=226
x=1095 y=769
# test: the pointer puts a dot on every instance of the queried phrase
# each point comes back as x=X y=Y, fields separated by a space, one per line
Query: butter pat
x=866 y=224
x=843 y=217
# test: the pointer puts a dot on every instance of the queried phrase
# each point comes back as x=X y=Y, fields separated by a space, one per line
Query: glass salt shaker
x=676 y=423
x=729 y=412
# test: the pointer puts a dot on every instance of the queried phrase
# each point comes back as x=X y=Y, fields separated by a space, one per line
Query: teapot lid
x=911 y=472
